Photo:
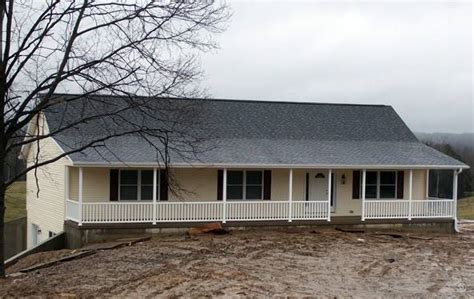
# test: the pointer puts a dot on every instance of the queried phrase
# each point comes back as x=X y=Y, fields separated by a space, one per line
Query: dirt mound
x=37 y=258
x=266 y=263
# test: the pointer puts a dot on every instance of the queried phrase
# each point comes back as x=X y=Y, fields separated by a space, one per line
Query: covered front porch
x=252 y=194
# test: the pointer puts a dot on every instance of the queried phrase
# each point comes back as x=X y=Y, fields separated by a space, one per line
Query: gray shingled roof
x=257 y=133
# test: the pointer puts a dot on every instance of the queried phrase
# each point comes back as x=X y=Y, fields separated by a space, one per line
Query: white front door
x=318 y=186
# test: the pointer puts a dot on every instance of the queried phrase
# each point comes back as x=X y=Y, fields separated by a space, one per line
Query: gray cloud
x=415 y=57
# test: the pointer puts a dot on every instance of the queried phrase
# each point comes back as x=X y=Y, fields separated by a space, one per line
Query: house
x=265 y=163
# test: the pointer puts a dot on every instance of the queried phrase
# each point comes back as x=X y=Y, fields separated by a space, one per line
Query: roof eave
x=274 y=166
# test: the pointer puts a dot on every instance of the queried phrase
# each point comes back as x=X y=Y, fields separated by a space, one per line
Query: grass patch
x=15 y=201
x=466 y=208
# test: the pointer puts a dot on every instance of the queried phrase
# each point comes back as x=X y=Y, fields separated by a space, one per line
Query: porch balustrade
x=400 y=209
x=142 y=212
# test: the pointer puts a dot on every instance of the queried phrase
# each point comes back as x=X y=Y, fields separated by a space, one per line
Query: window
x=146 y=185
x=440 y=183
x=244 y=185
x=388 y=184
x=136 y=185
x=381 y=184
x=371 y=184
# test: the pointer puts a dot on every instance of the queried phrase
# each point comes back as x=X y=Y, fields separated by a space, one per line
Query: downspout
x=456 y=228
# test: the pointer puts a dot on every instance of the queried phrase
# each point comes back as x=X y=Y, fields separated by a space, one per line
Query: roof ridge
x=236 y=100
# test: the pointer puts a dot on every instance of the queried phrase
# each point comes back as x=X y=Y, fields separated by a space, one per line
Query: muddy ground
x=293 y=262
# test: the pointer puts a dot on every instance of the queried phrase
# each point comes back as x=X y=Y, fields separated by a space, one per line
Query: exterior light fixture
x=343 y=179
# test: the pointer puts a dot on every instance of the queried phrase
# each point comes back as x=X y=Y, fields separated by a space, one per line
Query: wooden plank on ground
x=103 y=246
x=78 y=255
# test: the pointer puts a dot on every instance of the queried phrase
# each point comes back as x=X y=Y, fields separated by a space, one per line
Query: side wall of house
x=45 y=190
x=201 y=185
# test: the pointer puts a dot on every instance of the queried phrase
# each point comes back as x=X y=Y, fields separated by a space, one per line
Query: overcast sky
x=416 y=57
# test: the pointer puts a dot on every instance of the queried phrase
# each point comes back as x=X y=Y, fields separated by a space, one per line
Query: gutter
x=273 y=166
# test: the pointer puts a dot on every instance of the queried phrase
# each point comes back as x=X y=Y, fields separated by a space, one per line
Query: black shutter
x=220 y=180
x=356 y=184
x=163 y=184
x=400 y=187
x=267 y=184
x=114 y=183
x=306 y=193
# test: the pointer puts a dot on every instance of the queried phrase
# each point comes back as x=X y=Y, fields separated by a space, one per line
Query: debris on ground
x=393 y=235
x=114 y=244
x=263 y=263
x=55 y=257
x=390 y=258
x=350 y=230
x=214 y=228
x=66 y=258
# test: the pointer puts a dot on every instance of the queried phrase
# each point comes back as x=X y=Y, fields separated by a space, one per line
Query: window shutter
x=356 y=184
x=163 y=184
x=267 y=184
x=400 y=185
x=114 y=185
x=220 y=181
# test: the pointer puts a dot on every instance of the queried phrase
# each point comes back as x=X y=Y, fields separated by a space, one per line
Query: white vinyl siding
x=45 y=206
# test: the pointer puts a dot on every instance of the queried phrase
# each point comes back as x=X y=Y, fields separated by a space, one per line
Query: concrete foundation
x=78 y=236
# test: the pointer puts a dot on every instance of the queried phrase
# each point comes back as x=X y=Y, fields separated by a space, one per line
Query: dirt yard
x=299 y=262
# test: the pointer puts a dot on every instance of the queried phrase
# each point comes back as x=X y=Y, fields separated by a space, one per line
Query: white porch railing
x=142 y=212
x=72 y=210
x=188 y=211
x=117 y=212
x=310 y=210
x=398 y=209
x=257 y=210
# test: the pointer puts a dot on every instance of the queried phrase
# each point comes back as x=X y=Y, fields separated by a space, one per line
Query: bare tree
x=124 y=48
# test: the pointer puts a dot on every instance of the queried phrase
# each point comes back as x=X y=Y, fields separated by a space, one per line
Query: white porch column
x=363 y=194
x=224 y=195
x=155 y=178
x=290 y=195
x=410 y=194
x=66 y=190
x=81 y=174
x=455 y=193
x=329 y=193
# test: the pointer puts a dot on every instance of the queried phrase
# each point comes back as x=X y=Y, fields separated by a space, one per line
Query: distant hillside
x=459 y=142
x=462 y=144
x=458 y=146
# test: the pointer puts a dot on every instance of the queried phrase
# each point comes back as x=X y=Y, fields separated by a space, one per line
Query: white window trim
x=378 y=184
x=139 y=185
x=244 y=184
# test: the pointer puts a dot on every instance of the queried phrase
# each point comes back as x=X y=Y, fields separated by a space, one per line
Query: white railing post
x=329 y=193
x=80 y=194
x=363 y=194
x=155 y=178
x=224 y=195
x=290 y=194
x=455 y=194
x=410 y=194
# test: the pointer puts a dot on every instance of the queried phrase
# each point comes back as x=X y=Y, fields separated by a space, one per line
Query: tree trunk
x=2 y=219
